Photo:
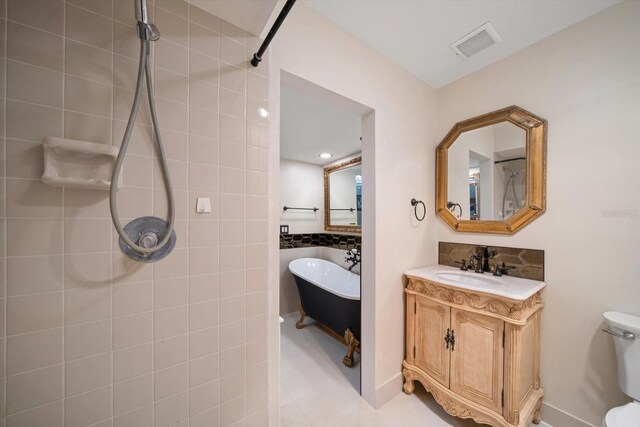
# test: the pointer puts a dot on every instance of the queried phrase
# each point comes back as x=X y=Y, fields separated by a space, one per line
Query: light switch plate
x=284 y=229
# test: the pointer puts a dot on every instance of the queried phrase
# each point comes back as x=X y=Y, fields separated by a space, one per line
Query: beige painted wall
x=585 y=81
x=302 y=186
x=311 y=47
x=93 y=338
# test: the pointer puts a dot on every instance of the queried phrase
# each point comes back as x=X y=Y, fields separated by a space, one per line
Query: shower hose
x=144 y=68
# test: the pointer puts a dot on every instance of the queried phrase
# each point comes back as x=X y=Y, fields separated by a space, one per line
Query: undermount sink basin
x=510 y=287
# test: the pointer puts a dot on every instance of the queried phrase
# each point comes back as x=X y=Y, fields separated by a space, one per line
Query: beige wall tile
x=257 y=134
x=170 y=411
x=86 y=204
x=178 y=171
x=87 y=235
x=232 y=232
x=257 y=183
x=45 y=14
x=132 y=330
x=257 y=351
x=141 y=141
x=203 y=315
x=24 y=159
x=174 y=265
x=204 y=67
x=233 y=78
x=257 y=402
x=182 y=204
x=257 y=158
x=178 y=7
x=34 y=388
x=125 y=38
x=122 y=101
x=32 y=122
x=35 y=350
x=125 y=270
x=172 y=115
x=50 y=415
x=258 y=110
x=233 y=129
x=233 y=52
x=176 y=144
x=203 y=18
x=257 y=328
x=86 y=96
x=203 y=370
x=233 y=359
x=203 y=123
x=34 y=47
x=170 y=292
x=203 y=288
x=86 y=374
x=29 y=313
x=257 y=231
x=203 y=260
x=87 y=339
x=125 y=71
x=174 y=28
x=25 y=199
x=134 y=202
x=171 y=56
x=204 y=40
x=137 y=171
x=131 y=362
x=203 y=177
x=203 y=95
x=132 y=394
x=232 y=334
x=141 y=417
x=85 y=409
x=232 y=206
x=257 y=86
x=34 y=84
x=232 y=258
x=171 y=351
x=257 y=279
x=87 y=270
x=85 y=127
x=257 y=303
x=232 y=283
x=170 y=381
x=203 y=342
x=171 y=86
x=204 y=397
x=27 y=275
x=232 y=411
x=203 y=232
x=232 y=180
x=102 y=7
x=88 y=28
x=232 y=309
x=86 y=305
x=170 y=322
x=233 y=385
x=257 y=376
x=210 y=418
x=124 y=11
x=233 y=155
x=88 y=62
x=257 y=255
x=229 y=30
x=132 y=298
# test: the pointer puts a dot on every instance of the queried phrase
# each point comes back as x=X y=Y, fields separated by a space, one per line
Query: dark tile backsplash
x=338 y=241
x=527 y=263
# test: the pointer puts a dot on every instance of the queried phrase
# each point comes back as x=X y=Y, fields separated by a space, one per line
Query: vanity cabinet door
x=432 y=321
x=476 y=358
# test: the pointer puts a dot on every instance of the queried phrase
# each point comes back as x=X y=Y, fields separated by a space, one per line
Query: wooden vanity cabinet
x=477 y=354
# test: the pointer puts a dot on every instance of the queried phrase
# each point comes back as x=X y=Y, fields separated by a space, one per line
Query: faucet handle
x=463 y=267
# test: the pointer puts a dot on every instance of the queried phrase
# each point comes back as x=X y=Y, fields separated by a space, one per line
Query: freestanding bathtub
x=330 y=295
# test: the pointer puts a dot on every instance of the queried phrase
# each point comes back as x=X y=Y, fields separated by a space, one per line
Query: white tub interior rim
x=328 y=276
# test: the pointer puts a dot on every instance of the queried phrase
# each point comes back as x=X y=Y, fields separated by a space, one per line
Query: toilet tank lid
x=628 y=322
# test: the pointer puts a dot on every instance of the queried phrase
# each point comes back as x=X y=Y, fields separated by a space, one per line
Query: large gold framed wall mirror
x=491 y=172
x=343 y=196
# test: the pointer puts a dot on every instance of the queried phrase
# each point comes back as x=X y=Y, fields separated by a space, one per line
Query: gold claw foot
x=300 y=323
x=408 y=386
x=352 y=345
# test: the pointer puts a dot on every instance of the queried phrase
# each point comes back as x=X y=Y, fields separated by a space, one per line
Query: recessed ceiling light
x=325 y=156
x=477 y=40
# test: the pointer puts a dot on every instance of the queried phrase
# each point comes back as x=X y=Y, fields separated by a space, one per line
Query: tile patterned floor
x=317 y=390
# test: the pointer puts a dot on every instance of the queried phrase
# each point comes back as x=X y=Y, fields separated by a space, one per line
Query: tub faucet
x=353 y=256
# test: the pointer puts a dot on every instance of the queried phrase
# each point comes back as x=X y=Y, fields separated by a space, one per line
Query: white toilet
x=625 y=329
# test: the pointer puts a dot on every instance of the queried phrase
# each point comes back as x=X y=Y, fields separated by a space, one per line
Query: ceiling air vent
x=477 y=40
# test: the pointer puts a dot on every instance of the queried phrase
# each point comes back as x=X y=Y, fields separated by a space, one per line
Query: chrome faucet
x=353 y=256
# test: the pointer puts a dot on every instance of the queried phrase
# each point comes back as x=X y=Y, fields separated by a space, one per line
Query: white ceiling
x=416 y=34
x=253 y=16
x=310 y=126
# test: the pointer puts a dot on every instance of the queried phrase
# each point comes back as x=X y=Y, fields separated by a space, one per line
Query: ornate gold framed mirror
x=343 y=196
x=491 y=172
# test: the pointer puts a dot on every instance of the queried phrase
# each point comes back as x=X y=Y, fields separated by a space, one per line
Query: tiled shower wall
x=88 y=336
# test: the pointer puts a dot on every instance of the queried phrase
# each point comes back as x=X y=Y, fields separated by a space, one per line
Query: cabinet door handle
x=453 y=341
x=447 y=338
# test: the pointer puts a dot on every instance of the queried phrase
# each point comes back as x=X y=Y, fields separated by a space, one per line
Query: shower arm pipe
x=257 y=57
x=143 y=68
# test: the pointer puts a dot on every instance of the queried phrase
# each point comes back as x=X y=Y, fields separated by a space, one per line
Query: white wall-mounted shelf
x=78 y=164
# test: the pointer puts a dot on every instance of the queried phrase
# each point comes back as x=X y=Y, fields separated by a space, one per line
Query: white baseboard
x=389 y=390
x=553 y=416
